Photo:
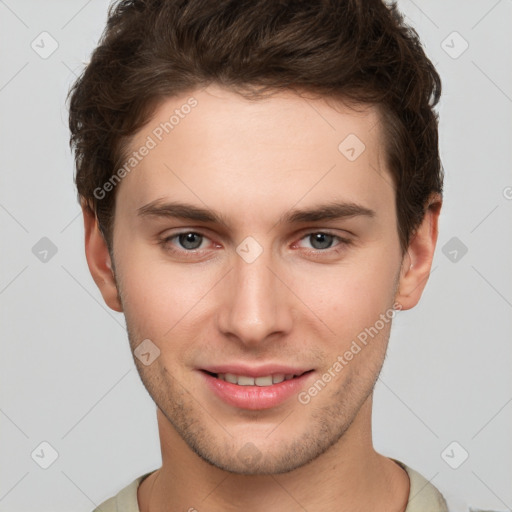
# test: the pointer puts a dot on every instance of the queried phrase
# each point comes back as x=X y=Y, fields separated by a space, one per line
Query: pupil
x=321 y=238
x=187 y=240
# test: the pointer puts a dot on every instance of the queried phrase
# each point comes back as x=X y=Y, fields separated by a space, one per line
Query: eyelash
x=342 y=244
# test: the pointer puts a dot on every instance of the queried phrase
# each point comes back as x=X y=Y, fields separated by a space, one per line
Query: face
x=262 y=287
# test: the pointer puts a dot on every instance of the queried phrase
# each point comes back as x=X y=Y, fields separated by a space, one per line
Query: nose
x=255 y=303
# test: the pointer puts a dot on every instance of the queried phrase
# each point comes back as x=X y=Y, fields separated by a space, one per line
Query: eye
x=186 y=241
x=322 y=241
x=190 y=240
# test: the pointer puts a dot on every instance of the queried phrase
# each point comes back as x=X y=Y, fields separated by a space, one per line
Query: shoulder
x=125 y=500
x=425 y=497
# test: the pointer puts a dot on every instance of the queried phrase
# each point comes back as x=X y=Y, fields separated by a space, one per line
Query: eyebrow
x=330 y=211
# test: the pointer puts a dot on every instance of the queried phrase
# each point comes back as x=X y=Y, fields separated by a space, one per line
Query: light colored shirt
x=423 y=496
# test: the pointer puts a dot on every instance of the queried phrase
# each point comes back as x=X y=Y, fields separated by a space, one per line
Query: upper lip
x=256 y=371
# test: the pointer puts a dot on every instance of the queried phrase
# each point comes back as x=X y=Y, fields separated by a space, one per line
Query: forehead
x=213 y=144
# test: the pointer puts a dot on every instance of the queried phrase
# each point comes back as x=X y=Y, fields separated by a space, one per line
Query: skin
x=298 y=303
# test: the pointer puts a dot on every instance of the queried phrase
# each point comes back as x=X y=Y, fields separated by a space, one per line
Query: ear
x=417 y=262
x=98 y=260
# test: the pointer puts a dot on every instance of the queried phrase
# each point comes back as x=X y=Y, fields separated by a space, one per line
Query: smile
x=262 y=392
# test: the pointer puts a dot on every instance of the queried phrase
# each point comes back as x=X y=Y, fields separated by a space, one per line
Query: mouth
x=256 y=392
x=263 y=381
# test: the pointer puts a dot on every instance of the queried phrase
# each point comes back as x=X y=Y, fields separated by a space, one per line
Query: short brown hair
x=359 y=51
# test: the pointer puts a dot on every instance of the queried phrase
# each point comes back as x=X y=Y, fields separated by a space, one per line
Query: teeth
x=263 y=381
x=244 y=380
x=277 y=378
x=229 y=377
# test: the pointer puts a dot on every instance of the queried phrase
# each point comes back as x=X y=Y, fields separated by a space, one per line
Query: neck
x=349 y=476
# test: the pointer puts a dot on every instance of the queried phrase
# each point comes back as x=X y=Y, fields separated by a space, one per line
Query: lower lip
x=255 y=397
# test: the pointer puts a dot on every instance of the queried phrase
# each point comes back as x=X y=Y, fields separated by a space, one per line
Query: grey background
x=67 y=375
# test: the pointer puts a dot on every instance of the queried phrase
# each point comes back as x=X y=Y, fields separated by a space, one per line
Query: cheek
x=157 y=295
x=351 y=296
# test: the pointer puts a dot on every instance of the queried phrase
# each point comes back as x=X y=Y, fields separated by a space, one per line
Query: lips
x=254 y=388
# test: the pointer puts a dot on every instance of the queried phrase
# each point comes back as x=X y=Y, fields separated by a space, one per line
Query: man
x=261 y=187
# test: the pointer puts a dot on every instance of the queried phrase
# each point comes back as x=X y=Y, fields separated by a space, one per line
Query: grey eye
x=190 y=240
x=321 y=240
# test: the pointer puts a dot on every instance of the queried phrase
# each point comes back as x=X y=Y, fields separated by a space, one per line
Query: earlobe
x=417 y=262
x=98 y=260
